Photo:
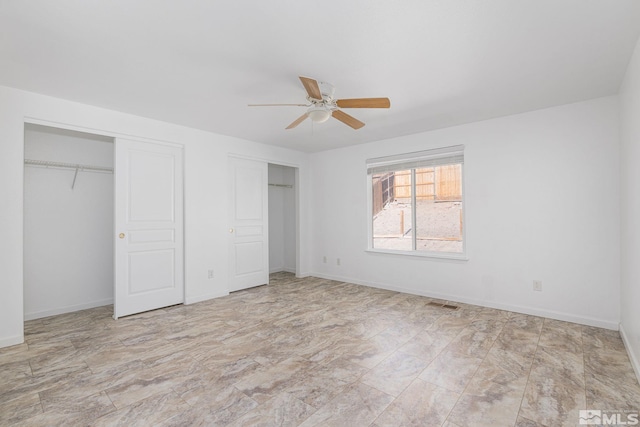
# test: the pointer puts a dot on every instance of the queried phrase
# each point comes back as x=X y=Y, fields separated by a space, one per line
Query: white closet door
x=149 y=241
x=249 y=226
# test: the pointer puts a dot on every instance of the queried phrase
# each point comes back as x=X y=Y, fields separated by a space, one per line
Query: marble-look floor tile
x=473 y=343
x=492 y=314
x=421 y=404
x=20 y=409
x=317 y=389
x=235 y=371
x=92 y=384
x=611 y=363
x=451 y=370
x=147 y=412
x=493 y=405
x=518 y=340
x=12 y=371
x=270 y=381
x=391 y=339
x=525 y=323
x=359 y=405
x=283 y=410
x=523 y=422
x=427 y=345
x=42 y=382
x=615 y=393
x=58 y=360
x=450 y=325
x=323 y=383
x=20 y=349
x=213 y=395
x=341 y=369
x=225 y=354
x=563 y=336
x=504 y=367
x=395 y=373
x=221 y=412
x=602 y=339
x=553 y=399
x=98 y=402
x=367 y=353
x=549 y=362
x=72 y=412
x=111 y=357
x=313 y=352
x=149 y=382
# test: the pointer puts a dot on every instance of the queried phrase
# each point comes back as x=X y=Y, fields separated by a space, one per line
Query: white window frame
x=418 y=159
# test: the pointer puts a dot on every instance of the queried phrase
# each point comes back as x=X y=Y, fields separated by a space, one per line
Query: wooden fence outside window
x=440 y=184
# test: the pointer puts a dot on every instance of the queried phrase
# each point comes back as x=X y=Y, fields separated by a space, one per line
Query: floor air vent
x=438 y=304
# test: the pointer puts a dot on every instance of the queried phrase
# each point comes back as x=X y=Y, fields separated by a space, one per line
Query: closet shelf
x=281 y=185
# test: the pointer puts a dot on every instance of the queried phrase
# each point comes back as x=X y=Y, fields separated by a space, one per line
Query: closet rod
x=281 y=185
x=48 y=164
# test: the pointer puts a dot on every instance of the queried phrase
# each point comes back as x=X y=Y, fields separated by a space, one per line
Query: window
x=416 y=203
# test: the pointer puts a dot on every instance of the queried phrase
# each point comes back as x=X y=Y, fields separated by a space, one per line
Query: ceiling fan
x=322 y=105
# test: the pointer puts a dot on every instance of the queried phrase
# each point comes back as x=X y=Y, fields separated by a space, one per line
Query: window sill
x=434 y=255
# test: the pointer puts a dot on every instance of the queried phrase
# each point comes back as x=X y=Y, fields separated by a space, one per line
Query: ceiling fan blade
x=312 y=87
x=347 y=119
x=364 y=103
x=279 y=105
x=297 y=121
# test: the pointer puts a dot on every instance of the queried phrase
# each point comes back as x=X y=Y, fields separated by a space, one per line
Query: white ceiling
x=199 y=63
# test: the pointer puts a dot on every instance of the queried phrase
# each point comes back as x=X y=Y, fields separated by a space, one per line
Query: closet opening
x=68 y=221
x=282 y=219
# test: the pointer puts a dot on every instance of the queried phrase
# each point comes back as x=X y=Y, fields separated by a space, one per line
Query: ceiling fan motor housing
x=327 y=90
x=321 y=110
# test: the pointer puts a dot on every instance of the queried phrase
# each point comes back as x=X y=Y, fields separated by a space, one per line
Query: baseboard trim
x=632 y=356
x=589 y=321
x=8 y=342
x=67 y=309
x=205 y=297
x=281 y=269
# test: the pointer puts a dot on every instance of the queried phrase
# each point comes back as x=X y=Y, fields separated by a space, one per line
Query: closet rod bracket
x=75 y=175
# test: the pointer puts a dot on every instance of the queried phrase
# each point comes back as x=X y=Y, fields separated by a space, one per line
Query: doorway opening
x=282 y=219
x=68 y=221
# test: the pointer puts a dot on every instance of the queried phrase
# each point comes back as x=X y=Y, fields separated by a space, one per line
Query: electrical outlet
x=537 y=285
x=210 y=274
x=324 y=259
x=338 y=261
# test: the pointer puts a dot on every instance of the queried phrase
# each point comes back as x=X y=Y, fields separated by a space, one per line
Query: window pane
x=439 y=209
x=392 y=210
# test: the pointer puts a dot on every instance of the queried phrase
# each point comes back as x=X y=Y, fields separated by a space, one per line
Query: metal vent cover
x=442 y=305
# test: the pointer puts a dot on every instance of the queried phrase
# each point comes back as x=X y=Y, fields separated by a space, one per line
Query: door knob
x=121 y=235
x=231 y=230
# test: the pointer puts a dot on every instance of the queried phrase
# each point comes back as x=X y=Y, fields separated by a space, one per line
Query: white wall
x=630 y=218
x=206 y=210
x=542 y=203
x=282 y=223
x=68 y=233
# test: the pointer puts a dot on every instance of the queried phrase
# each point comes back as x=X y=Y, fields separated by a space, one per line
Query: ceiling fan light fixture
x=319 y=114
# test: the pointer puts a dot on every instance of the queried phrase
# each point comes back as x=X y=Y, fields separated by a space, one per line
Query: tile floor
x=312 y=352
